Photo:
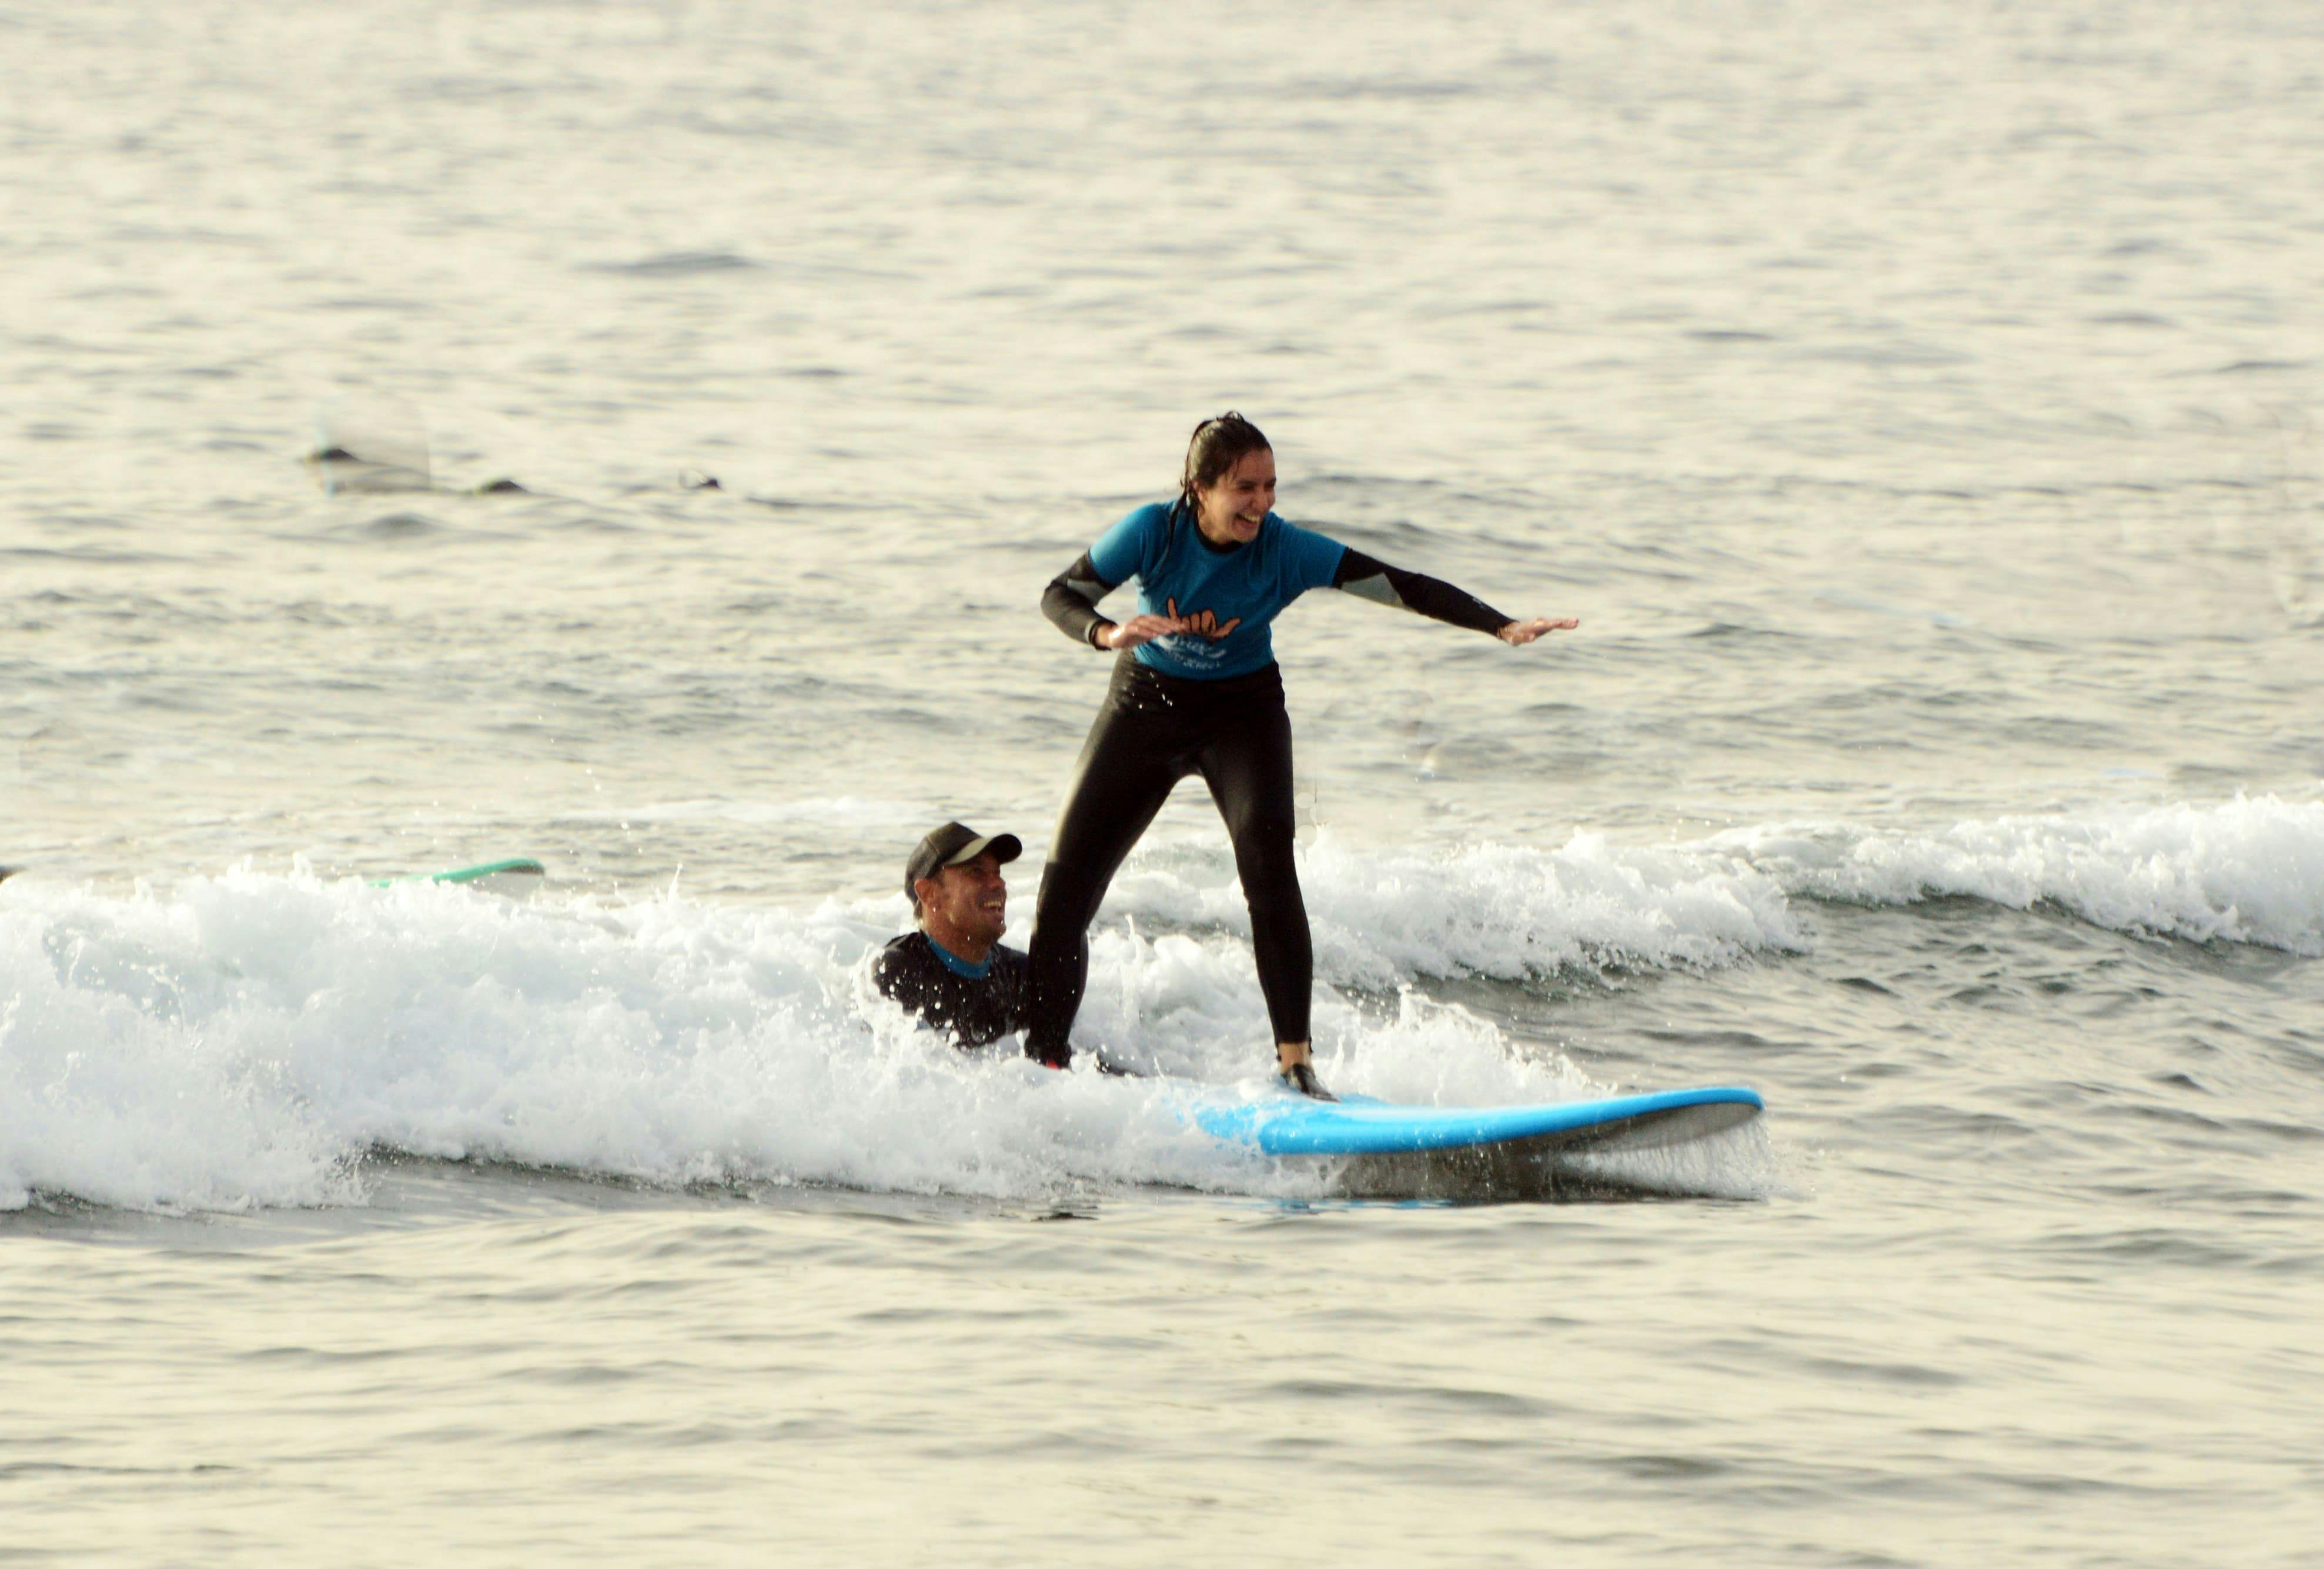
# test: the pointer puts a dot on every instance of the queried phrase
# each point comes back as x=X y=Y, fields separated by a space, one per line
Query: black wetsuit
x=973 y=1009
x=1156 y=727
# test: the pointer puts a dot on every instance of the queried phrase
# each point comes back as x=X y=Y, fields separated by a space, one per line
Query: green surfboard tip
x=519 y=866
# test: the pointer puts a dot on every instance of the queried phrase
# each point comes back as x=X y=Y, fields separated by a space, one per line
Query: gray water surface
x=1917 y=408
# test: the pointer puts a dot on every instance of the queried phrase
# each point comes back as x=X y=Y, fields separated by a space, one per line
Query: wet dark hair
x=1218 y=445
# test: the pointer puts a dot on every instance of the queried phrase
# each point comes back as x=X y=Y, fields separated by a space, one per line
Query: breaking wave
x=248 y=1039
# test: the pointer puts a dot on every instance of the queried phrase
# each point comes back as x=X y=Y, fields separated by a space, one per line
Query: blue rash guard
x=1233 y=595
x=1231 y=592
x=1208 y=701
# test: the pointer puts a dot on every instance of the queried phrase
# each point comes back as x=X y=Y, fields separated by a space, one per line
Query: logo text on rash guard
x=1202 y=622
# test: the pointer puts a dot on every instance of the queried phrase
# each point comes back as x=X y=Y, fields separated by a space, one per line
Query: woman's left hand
x=1518 y=633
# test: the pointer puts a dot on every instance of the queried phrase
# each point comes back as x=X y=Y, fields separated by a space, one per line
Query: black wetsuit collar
x=966 y=969
x=1186 y=511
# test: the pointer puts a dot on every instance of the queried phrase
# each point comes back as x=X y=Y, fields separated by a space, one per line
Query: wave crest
x=2247 y=870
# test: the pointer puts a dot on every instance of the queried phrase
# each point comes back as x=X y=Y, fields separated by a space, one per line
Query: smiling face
x=1230 y=512
x=965 y=907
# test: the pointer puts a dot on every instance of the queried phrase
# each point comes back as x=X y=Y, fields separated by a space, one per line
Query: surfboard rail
x=1357 y=1125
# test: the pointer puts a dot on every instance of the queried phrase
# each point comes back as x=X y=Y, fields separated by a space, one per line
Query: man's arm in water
x=1370 y=578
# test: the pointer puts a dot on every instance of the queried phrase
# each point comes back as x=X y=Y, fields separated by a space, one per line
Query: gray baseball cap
x=957 y=844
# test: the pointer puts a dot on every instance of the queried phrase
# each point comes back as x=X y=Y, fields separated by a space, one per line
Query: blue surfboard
x=1470 y=1154
x=1292 y=1124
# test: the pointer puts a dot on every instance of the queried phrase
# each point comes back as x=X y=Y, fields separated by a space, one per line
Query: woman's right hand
x=1141 y=629
x=1518 y=633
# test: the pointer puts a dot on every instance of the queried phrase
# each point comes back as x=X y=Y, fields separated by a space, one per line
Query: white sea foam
x=1507 y=912
x=246 y=1039
x=2246 y=871
x=243 y=1040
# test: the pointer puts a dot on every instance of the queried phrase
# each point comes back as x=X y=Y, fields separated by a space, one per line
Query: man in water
x=953 y=972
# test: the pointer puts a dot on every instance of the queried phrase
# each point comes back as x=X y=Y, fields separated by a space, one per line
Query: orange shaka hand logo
x=1203 y=623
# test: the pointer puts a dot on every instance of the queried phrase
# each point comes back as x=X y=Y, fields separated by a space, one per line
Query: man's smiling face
x=971 y=898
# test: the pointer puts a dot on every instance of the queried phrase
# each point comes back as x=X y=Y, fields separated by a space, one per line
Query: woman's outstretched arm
x=1369 y=578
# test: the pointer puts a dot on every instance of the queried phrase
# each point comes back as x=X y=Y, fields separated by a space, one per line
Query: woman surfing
x=1197 y=690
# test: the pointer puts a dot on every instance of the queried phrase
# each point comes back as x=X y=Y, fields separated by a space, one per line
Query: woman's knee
x=1263 y=842
x=1270 y=880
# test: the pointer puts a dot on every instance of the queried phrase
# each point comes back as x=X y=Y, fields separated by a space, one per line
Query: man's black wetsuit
x=948 y=993
x=1208 y=702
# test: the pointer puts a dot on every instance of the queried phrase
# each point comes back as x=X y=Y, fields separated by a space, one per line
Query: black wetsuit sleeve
x=1070 y=601
x=1368 y=578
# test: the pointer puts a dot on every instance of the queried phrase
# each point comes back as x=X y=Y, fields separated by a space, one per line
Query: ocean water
x=1918 y=406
